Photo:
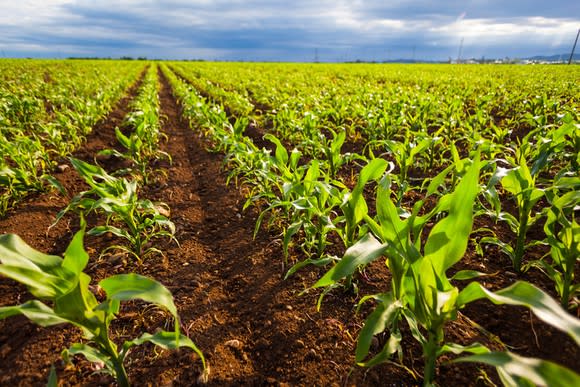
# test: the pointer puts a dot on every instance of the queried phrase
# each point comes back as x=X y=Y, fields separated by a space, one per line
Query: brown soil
x=253 y=326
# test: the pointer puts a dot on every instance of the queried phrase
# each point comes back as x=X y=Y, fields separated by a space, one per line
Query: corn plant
x=43 y=122
x=539 y=148
x=310 y=205
x=522 y=185
x=62 y=282
x=421 y=293
x=563 y=236
x=22 y=169
x=287 y=186
x=405 y=154
x=329 y=150
x=140 y=220
x=354 y=206
x=142 y=143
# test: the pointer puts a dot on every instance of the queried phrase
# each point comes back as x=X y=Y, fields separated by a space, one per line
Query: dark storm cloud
x=282 y=30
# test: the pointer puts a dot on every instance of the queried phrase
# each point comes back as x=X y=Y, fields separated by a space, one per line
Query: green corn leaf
x=567 y=182
x=289 y=233
x=15 y=252
x=438 y=180
x=475 y=348
x=448 y=240
x=166 y=340
x=93 y=355
x=316 y=262
x=392 y=346
x=356 y=205
x=338 y=141
x=455 y=154
x=75 y=256
x=525 y=294
x=366 y=250
x=52 y=377
x=380 y=320
x=312 y=175
x=281 y=152
x=35 y=311
x=125 y=287
x=54 y=183
x=89 y=172
x=77 y=305
x=123 y=140
x=110 y=152
x=520 y=371
x=100 y=230
x=464 y=275
x=511 y=220
x=504 y=247
x=513 y=181
x=46 y=276
x=294 y=158
x=162 y=221
x=372 y=171
x=418 y=148
x=392 y=228
x=40 y=284
x=302 y=204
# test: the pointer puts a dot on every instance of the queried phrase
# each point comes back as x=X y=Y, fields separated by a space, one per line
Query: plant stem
x=521 y=241
x=109 y=348
x=122 y=378
x=566 y=286
x=430 y=354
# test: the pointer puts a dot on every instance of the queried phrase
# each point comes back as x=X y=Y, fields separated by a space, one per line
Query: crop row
x=61 y=286
x=422 y=223
x=46 y=110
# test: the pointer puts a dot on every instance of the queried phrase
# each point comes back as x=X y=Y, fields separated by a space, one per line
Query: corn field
x=276 y=223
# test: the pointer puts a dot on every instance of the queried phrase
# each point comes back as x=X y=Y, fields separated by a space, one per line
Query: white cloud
x=32 y=12
x=490 y=31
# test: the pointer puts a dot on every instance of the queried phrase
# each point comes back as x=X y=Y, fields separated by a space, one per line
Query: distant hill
x=554 y=58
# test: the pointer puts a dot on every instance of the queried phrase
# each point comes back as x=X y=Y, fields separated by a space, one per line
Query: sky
x=288 y=30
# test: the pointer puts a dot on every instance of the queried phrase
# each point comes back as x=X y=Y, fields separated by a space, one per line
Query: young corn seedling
x=332 y=154
x=328 y=150
x=522 y=182
x=140 y=220
x=421 y=293
x=354 y=206
x=280 y=173
x=522 y=185
x=62 y=282
x=22 y=169
x=405 y=154
x=142 y=144
x=563 y=236
x=287 y=191
x=310 y=204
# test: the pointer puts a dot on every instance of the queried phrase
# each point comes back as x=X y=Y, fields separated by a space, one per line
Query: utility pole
x=316 y=55
x=574 y=48
x=459 y=53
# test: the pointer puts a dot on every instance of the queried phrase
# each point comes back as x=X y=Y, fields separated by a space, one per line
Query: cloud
x=283 y=30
